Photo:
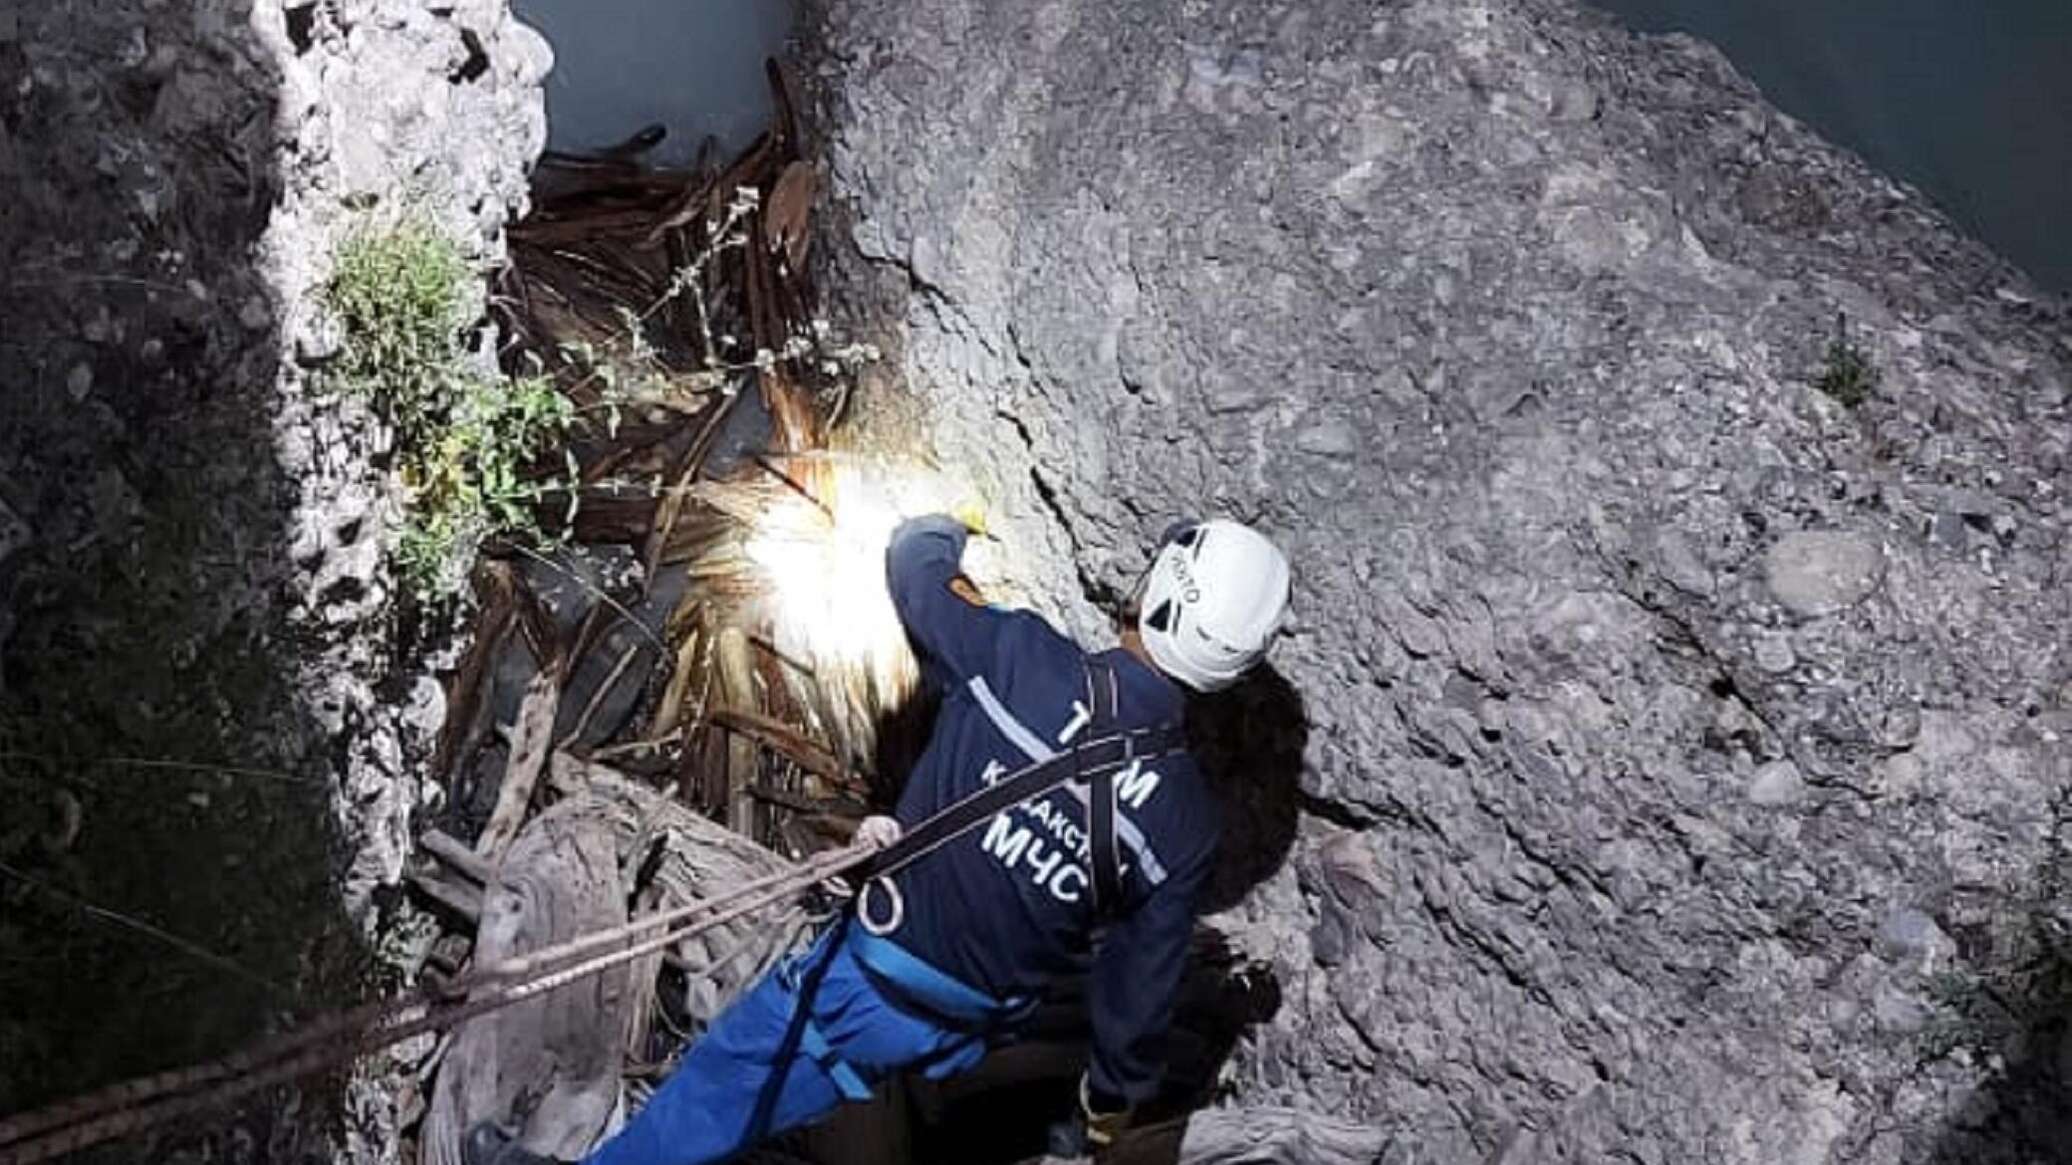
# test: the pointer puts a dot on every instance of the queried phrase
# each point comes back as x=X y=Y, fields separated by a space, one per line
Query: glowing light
x=825 y=569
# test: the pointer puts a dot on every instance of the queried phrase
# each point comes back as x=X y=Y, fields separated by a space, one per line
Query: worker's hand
x=878 y=831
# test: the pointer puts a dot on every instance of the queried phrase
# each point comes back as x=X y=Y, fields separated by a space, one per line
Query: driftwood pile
x=623 y=736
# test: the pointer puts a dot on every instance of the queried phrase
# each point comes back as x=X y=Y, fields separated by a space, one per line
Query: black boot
x=486 y=1144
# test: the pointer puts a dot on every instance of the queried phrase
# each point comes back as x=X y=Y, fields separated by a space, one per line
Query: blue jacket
x=1008 y=907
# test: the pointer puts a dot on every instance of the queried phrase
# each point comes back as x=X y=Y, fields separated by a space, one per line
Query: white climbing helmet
x=1214 y=597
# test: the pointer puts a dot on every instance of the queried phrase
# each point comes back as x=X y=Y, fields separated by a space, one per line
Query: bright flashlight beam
x=824 y=565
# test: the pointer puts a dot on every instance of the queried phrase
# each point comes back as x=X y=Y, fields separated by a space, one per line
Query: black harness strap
x=1106 y=854
x=1098 y=760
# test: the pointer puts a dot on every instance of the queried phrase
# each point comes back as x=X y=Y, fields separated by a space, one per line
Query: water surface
x=1968 y=100
x=696 y=66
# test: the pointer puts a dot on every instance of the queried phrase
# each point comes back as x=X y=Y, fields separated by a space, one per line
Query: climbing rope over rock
x=560 y=978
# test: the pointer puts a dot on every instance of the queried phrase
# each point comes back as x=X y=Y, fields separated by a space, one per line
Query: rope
x=149 y=1101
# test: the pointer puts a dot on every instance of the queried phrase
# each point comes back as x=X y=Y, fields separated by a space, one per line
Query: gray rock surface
x=1644 y=680
x=190 y=523
x=400 y=109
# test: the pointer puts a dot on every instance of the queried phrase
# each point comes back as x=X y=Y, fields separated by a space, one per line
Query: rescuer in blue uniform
x=949 y=955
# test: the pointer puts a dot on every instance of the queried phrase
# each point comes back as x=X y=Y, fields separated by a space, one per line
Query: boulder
x=1636 y=672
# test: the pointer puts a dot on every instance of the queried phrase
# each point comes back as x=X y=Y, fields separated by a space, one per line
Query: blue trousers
x=812 y=1033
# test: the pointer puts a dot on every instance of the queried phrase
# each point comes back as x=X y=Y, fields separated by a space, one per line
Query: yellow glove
x=972 y=514
x=1101 y=1127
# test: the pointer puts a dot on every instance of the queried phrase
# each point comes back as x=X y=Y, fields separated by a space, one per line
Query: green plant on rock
x=470 y=482
x=465 y=438
x=1848 y=374
x=401 y=296
x=2011 y=1000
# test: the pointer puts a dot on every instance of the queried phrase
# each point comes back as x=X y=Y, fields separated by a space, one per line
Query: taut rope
x=149 y=1101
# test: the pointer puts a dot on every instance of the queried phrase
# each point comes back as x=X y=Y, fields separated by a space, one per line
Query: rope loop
x=896 y=907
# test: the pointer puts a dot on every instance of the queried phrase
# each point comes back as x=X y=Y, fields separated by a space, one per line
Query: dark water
x=696 y=66
x=1968 y=100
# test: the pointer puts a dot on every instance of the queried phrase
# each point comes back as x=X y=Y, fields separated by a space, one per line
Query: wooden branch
x=671 y=507
x=495 y=590
x=455 y=853
x=604 y=690
x=668 y=715
x=588 y=630
x=620 y=520
x=790 y=202
x=542 y=633
x=737 y=691
x=783 y=98
x=700 y=199
x=530 y=745
x=782 y=739
x=796 y=802
x=460 y=899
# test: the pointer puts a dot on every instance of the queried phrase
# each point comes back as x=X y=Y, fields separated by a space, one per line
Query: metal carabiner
x=897 y=903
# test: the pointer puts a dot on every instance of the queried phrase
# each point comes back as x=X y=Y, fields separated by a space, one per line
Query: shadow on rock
x=165 y=858
x=2020 y=1117
x=2014 y=1002
x=1249 y=740
x=1001 y=1112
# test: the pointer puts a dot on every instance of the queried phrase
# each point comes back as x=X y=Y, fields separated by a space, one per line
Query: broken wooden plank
x=783 y=97
x=707 y=200
x=604 y=690
x=785 y=798
x=672 y=502
x=697 y=859
x=791 y=200
x=669 y=712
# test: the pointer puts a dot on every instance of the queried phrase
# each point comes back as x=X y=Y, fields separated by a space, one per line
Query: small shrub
x=464 y=438
x=1965 y=1013
x=470 y=483
x=2011 y=996
x=1848 y=375
x=401 y=297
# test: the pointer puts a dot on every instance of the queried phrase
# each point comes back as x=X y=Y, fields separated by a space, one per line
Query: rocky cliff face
x=1686 y=746
x=204 y=719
